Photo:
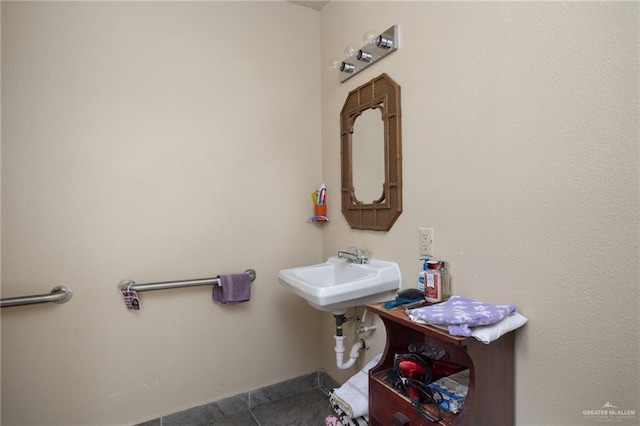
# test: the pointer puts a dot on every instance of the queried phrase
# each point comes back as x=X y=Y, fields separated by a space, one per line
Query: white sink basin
x=336 y=285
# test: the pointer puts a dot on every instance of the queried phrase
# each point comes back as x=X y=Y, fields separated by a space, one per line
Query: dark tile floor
x=298 y=402
x=307 y=408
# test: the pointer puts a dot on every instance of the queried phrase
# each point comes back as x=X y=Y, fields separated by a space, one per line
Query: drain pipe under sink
x=355 y=350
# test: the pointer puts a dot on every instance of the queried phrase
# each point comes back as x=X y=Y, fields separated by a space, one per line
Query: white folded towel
x=489 y=333
x=353 y=396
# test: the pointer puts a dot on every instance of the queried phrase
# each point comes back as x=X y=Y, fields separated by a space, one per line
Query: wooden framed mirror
x=372 y=158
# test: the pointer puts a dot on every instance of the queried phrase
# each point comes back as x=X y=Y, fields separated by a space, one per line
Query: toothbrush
x=322 y=191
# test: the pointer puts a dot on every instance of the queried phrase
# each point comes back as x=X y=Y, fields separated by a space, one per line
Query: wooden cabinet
x=490 y=400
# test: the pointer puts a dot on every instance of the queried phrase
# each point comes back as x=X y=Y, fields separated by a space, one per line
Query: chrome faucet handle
x=364 y=253
x=354 y=255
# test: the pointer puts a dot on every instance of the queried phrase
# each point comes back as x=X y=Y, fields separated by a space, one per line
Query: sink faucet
x=353 y=255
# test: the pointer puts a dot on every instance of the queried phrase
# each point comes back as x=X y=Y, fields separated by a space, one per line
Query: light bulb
x=350 y=51
x=370 y=38
x=335 y=63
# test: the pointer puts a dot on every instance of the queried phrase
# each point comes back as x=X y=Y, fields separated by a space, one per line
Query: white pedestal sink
x=336 y=285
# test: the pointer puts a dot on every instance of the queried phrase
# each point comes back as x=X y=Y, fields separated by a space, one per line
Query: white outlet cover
x=426 y=241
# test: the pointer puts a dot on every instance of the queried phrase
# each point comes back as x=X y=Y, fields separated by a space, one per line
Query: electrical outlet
x=426 y=241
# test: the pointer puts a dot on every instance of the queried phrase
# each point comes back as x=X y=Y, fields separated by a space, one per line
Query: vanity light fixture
x=347 y=67
x=364 y=56
x=343 y=66
x=353 y=52
x=383 y=41
x=377 y=46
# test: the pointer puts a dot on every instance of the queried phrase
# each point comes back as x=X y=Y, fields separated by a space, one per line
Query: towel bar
x=126 y=285
x=59 y=294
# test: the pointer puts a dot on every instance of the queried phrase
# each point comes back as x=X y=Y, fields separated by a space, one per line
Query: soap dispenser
x=422 y=273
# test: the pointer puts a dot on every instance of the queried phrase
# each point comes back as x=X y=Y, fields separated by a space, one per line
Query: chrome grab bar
x=127 y=285
x=59 y=294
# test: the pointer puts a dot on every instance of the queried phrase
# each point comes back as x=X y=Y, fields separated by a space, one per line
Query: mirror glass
x=371 y=151
x=368 y=156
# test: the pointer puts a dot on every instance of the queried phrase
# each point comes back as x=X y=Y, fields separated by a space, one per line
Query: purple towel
x=233 y=288
x=460 y=313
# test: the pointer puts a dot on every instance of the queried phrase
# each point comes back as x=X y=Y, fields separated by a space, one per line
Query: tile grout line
x=251 y=409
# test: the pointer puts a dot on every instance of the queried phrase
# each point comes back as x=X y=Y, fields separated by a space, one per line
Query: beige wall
x=154 y=141
x=137 y=138
x=520 y=146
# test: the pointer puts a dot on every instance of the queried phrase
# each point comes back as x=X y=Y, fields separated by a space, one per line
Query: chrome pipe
x=59 y=294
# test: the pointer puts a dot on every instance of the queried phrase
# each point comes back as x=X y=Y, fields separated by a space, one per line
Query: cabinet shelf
x=387 y=392
x=490 y=399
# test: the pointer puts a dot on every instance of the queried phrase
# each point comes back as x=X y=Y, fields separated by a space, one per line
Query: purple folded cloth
x=232 y=289
x=460 y=313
